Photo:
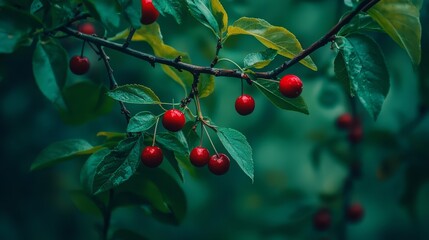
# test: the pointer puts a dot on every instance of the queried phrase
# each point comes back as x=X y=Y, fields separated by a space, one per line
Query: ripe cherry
x=149 y=12
x=79 y=65
x=87 y=28
x=344 y=121
x=290 y=86
x=355 y=212
x=199 y=156
x=173 y=120
x=219 y=164
x=151 y=156
x=322 y=219
x=245 y=104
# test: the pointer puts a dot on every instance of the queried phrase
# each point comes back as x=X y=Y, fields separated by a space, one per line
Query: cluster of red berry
x=322 y=219
x=352 y=125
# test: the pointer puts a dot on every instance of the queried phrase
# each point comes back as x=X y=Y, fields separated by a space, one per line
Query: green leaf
x=89 y=169
x=56 y=15
x=132 y=11
x=50 y=70
x=61 y=151
x=36 y=5
x=361 y=22
x=152 y=35
x=85 y=101
x=16 y=29
x=202 y=11
x=86 y=203
x=366 y=71
x=270 y=89
x=237 y=146
x=220 y=15
x=107 y=11
x=260 y=59
x=401 y=20
x=175 y=142
x=141 y=122
x=112 y=136
x=171 y=7
x=118 y=165
x=415 y=177
x=134 y=93
x=206 y=85
x=277 y=38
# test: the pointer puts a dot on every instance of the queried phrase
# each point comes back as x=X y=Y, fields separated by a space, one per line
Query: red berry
x=151 y=156
x=79 y=65
x=290 y=86
x=355 y=212
x=345 y=121
x=245 y=104
x=322 y=219
x=219 y=164
x=355 y=134
x=173 y=120
x=149 y=12
x=87 y=28
x=199 y=156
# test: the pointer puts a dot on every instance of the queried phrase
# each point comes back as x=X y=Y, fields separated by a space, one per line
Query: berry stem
x=154 y=132
x=210 y=139
x=83 y=49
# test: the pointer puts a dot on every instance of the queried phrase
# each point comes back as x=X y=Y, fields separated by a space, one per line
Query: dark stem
x=113 y=83
x=216 y=58
x=130 y=36
x=233 y=73
x=107 y=216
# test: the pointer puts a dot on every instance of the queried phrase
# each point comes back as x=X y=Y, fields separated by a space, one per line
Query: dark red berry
x=245 y=104
x=322 y=219
x=290 y=86
x=219 y=164
x=355 y=212
x=199 y=156
x=87 y=28
x=79 y=65
x=345 y=121
x=173 y=120
x=149 y=12
x=151 y=156
x=355 y=134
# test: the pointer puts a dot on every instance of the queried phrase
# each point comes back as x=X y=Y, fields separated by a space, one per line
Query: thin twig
x=130 y=36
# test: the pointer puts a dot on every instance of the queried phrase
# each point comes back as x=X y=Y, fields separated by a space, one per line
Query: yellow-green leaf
x=400 y=19
x=274 y=37
x=152 y=35
x=220 y=15
x=206 y=85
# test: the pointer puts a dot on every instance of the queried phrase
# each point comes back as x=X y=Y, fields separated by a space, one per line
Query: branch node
x=178 y=59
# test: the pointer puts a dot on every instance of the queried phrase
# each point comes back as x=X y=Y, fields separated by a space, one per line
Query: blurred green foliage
x=288 y=186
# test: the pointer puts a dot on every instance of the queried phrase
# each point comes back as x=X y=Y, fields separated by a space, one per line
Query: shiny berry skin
x=219 y=164
x=79 y=65
x=87 y=28
x=322 y=219
x=344 y=121
x=355 y=134
x=151 y=156
x=173 y=120
x=290 y=86
x=355 y=212
x=244 y=104
x=199 y=156
x=149 y=12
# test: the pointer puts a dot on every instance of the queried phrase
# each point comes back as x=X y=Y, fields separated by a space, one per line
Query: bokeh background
x=288 y=184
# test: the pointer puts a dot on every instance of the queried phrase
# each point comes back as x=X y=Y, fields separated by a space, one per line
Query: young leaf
x=171 y=7
x=206 y=85
x=277 y=38
x=107 y=11
x=202 y=11
x=220 y=15
x=366 y=71
x=61 y=151
x=141 y=122
x=16 y=29
x=50 y=70
x=260 y=59
x=237 y=146
x=401 y=20
x=152 y=35
x=134 y=93
x=118 y=165
x=270 y=89
x=132 y=11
